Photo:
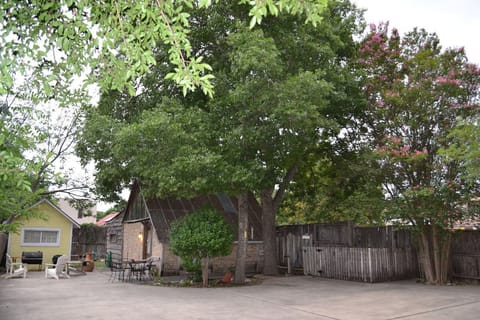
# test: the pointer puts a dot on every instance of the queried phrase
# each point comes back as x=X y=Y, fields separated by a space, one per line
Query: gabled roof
x=107 y=218
x=162 y=212
x=81 y=216
x=165 y=211
x=75 y=223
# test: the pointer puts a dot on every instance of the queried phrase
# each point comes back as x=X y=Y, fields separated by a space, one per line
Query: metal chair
x=118 y=270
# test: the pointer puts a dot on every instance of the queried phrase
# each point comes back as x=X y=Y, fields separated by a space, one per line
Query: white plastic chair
x=154 y=262
x=57 y=270
x=15 y=269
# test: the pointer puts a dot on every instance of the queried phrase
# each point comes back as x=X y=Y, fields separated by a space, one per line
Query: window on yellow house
x=40 y=237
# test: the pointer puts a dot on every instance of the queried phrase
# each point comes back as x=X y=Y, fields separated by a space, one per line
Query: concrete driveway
x=94 y=297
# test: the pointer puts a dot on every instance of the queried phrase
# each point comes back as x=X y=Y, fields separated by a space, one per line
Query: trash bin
x=108 y=259
x=55 y=258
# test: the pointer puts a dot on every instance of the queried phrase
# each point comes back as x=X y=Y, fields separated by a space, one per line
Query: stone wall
x=132 y=245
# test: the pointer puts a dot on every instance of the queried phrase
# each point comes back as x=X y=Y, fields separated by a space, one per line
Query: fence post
x=350 y=228
x=370 y=263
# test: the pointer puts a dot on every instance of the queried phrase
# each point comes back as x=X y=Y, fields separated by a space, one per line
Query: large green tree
x=417 y=93
x=281 y=89
x=15 y=178
x=344 y=185
x=113 y=43
x=35 y=142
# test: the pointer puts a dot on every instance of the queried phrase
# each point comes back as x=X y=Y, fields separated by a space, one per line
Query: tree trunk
x=434 y=255
x=3 y=244
x=205 y=271
x=4 y=238
x=425 y=257
x=269 y=234
x=437 y=254
x=446 y=247
x=242 y=239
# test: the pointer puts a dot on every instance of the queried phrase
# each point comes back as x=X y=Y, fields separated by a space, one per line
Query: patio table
x=138 y=269
x=75 y=266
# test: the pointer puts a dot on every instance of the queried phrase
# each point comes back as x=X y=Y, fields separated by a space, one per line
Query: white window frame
x=41 y=244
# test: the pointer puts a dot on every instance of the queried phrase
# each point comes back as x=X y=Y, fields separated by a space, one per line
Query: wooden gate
x=360 y=264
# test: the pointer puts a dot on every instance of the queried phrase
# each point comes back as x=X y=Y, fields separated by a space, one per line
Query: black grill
x=32 y=257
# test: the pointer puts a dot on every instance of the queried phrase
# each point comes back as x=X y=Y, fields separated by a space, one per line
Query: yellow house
x=52 y=235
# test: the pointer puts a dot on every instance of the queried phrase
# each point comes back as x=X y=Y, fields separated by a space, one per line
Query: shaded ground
x=277 y=298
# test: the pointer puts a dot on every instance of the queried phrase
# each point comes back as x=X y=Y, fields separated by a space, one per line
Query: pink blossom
x=466 y=105
x=395 y=139
x=444 y=80
x=376 y=38
x=473 y=69
x=395 y=152
x=420 y=152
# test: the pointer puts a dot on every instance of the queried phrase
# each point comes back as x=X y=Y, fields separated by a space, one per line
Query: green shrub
x=199 y=236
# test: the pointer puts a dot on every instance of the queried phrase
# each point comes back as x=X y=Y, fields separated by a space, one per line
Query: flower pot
x=88 y=264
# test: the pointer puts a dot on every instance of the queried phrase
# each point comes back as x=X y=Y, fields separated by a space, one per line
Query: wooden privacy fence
x=466 y=255
x=360 y=264
x=392 y=254
x=292 y=239
x=89 y=238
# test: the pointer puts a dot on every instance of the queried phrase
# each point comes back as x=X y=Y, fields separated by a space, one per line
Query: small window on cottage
x=40 y=237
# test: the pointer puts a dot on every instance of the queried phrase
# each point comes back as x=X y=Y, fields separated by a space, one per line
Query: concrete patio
x=93 y=297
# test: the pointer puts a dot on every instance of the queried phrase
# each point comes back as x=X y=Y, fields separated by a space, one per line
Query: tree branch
x=277 y=199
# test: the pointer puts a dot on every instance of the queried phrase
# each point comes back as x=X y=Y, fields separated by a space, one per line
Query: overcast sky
x=456 y=22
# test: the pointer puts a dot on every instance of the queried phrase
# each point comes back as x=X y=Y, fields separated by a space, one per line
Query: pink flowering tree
x=416 y=95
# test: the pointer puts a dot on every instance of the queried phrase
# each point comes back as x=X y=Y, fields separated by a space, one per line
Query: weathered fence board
x=289 y=249
x=291 y=240
x=466 y=266
x=89 y=239
x=360 y=264
x=466 y=255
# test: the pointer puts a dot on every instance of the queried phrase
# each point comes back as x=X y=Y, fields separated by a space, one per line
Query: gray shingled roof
x=165 y=211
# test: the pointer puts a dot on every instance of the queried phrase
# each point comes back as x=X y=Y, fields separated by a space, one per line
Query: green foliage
x=417 y=95
x=265 y=116
x=34 y=144
x=193 y=266
x=345 y=187
x=113 y=43
x=201 y=234
x=465 y=148
x=16 y=172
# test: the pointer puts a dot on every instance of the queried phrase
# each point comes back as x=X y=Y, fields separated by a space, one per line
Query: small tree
x=201 y=235
x=417 y=96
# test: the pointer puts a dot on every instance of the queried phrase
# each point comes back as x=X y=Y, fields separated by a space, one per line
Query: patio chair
x=153 y=267
x=58 y=269
x=15 y=269
x=118 y=270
